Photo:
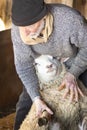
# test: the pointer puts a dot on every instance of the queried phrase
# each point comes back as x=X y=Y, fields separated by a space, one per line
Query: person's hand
x=72 y=88
x=40 y=107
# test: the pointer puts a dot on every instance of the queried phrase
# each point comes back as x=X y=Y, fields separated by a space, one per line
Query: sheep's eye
x=35 y=64
x=54 y=57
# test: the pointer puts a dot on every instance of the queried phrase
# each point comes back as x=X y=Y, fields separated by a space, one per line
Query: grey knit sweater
x=68 y=39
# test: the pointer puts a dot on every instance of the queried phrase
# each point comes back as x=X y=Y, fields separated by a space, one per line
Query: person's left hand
x=72 y=88
x=41 y=106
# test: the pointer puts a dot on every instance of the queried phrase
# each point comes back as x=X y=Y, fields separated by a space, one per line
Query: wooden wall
x=67 y=2
x=5 y=8
x=80 y=5
x=5 y=12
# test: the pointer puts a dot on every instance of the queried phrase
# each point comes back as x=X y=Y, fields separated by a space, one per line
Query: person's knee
x=22 y=108
x=24 y=100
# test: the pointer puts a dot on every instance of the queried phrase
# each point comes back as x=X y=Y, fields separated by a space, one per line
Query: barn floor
x=6 y=122
x=7 y=119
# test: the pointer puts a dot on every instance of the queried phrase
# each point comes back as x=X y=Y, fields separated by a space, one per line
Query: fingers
x=70 y=83
x=72 y=89
x=40 y=107
x=49 y=111
x=71 y=93
x=61 y=86
x=76 y=94
x=39 y=112
x=66 y=92
x=80 y=92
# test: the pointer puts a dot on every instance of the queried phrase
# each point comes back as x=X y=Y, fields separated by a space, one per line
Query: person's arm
x=79 y=39
x=24 y=64
x=26 y=71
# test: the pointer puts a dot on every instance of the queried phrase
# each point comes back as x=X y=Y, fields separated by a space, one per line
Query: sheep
x=67 y=116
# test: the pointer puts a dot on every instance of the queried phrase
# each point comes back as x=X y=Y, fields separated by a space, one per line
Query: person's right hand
x=72 y=88
x=41 y=106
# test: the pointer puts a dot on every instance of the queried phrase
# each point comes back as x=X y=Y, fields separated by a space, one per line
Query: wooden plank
x=81 y=5
x=67 y=2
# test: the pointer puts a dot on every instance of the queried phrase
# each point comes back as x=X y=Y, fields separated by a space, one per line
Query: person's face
x=31 y=29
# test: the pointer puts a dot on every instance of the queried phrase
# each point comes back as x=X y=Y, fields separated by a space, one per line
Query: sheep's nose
x=49 y=66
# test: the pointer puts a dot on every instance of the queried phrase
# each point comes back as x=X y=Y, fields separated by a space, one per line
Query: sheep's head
x=47 y=68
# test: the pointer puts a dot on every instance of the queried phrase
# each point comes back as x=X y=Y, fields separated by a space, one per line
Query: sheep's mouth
x=51 y=70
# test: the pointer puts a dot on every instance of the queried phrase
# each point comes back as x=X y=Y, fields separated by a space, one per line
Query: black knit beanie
x=27 y=12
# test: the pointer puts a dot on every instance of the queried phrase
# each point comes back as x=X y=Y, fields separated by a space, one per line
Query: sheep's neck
x=54 y=83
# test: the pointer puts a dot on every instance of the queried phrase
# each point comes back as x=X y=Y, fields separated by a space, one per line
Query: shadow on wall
x=10 y=84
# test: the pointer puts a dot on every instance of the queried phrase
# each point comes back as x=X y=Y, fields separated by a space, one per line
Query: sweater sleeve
x=24 y=64
x=79 y=39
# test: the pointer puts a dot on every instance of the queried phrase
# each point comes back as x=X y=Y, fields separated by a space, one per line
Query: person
x=53 y=29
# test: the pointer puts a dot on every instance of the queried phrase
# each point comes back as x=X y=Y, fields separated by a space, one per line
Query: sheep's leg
x=55 y=126
x=83 y=125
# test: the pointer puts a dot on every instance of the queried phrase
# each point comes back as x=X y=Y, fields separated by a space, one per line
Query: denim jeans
x=22 y=108
x=83 y=78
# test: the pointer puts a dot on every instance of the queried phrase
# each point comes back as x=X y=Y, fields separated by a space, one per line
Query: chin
x=52 y=74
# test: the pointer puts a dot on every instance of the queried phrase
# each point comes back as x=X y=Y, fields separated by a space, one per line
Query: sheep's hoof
x=45 y=117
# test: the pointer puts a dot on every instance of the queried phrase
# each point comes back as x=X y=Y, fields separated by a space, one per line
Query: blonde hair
x=46 y=32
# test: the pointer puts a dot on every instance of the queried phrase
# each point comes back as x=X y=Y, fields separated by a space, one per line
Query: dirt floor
x=6 y=123
x=7 y=118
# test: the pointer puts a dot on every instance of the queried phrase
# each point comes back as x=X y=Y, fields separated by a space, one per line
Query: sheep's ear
x=63 y=60
x=35 y=63
x=55 y=57
x=50 y=56
x=58 y=58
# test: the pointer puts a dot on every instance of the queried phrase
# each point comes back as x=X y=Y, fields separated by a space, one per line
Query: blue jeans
x=22 y=108
x=83 y=78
